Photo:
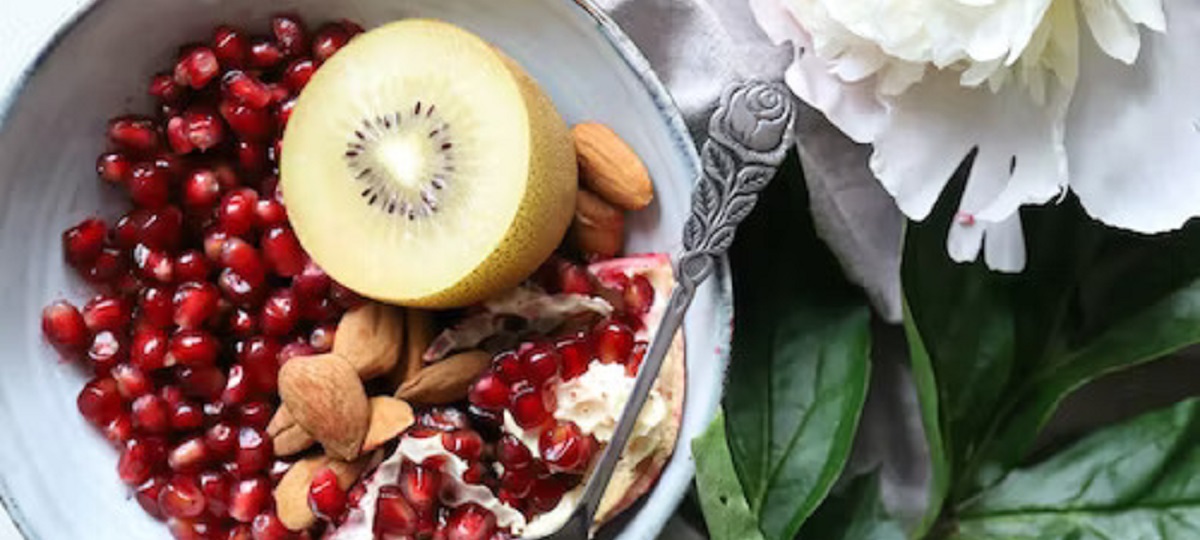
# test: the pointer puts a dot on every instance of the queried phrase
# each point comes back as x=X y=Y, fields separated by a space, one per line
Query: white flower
x=927 y=81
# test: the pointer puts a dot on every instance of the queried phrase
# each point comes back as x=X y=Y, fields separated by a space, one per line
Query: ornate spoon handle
x=749 y=136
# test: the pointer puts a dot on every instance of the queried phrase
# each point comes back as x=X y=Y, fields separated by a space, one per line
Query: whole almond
x=326 y=397
x=371 y=337
x=419 y=331
x=609 y=167
x=598 y=227
x=291 y=495
x=446 y=381
x=287 y=437
x=389 y=418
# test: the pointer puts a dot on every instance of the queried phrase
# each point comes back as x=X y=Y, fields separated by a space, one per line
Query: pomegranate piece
x=105 y=312
x=201 y=382
x=528 y=405
x=312 y=283
x=242 y=279
x=242 y=324
x=469 y=522
x=329 y=38
x=576 y=354
x=136 y=134
x=113 y=167
x=230 y=47
x=464 y=443
x=100 y=401
x=147 y=495
x=293 y=350
x=546 y=492
x=237 y=386
x=282 y=250
x=420 y=486
x=148 y=186
x=221 y=439
x=264 y=54
x=118 y=430
x=131 y=381
x=177 y=135
x=298 y=73
x=249 y=498
x=164 y=88
x=108 y=267
x=186 y=416
x=195 y=304
x=540 y=363
x=246 y=89
x=247 y=122
x=194 y=348
x=638 y=295
x=201 y=190
x=214 y=240
x=280 y=313
x=197 y=67
x=517 y=482
x=199 y=528
x=266 y=526
x=203 y=129
x=565 y=448
x=65 y=328
x=156 y=307
x=326 y=498
x=573 y=279
x=393 y=514
x=149 y=349
x=83 y=242
x=259 y=357
x=251 y=157
x=614 y=342
x=507 y=365
x=153 y=265
x=160 y=228
x=489 y=392
x=216 y=485
x=181 y=497
x=236 y=214
x=513 y=454
x=191 y=265
x=106 y=352
x=253 y=452
x=150 y=414
x=189 y=456
x=291 y=34
x=141 y=458
x=255 y=414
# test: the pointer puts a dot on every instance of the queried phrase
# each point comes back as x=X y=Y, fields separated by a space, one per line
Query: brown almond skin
x=419 y=332
x=446 y=381
x=610 y=168
x=291 y=495
x=389 y=418
x=599 y=227
x=326 y=397
x=287 y=437
x=371 y=337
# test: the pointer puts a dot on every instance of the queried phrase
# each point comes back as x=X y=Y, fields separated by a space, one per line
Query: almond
x=446 y=381
x=609 y=167
x=598 y=227
x=419 y=331
x=326 y=397
x=291 y=495
x=389 y=418
x=287 y=437
x=371 y=337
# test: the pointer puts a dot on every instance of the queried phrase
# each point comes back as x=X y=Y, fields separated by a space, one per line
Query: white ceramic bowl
x=57 y=475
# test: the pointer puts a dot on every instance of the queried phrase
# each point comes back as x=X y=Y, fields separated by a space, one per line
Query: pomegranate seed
x=444 y=419
x=312 y=282
x=171 y=394
x=237 y=386
x=489 y=392
x=322 y=336
x=242 y=324
x=516 y=481
x=259 y=358
x=635 y=358
x=201 y=382
x=246 y=89
x=230 y=47
x=264 y=54
x=221 y=439
x=204 y=130
x=106 y=312
x=326 y=498
x=283 y=114
x=464 y=443
x=65 y=328
x=565 y=448
x=247 y=122
x=546 y=492
x=227 y=176
x=236 y=212
x=343 y=296
x=278 y=468
x=322 y=309
x=507 y=365
x=614 y=342
x=290 y=33
x=393 y=514
x=282 y=251
x=149 y=349
x=540 y=363
x=254 y=451
x=298 y=73
x=195 y=304
x=420 y=485
x=252 y=157
x=186 y=416
x=573 y=279
x=148 y=186
x=639 y=295
x=266 y=526
x=239 y=290
x=249 y=498
x=189 y=456
x=161 y=228
x=119 y=429
x=147 y=495
x=136 y=134
x=295 y=349
x=190 y=347
x=240 y=532
x=131 y=381
x=141 y=458
x=528 y=406
x=352 y=28
x=469 y=522
x=181 y=497
x=153 y=265
x=191 y=265
x=177 y=135
x=330 y=37
x=164 y=88
x=83 y=242
x=200 y=528
x=155 y=307
x=280 y=313
x=197 y=67
x=476 y=473
x=576 y=354
x=216 y=487
x=100 y=401
x=513 y=454
x=113 y=167
x=106 y=352
x=107 y=268
x=214 y=240
x=150 y=414
x=201 y=190
x=255 y=414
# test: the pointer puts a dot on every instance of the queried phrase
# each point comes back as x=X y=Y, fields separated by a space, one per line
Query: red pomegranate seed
x=259 y=358
x=186 y=416
x=251 y=157
x=191 y=265
x=326 y=497
x=131 y=381
x=282 y=250
x=540 y=363
x=254 y=452
x=197 y=67
x=352 y=28
x=177 y=135
x=240 y=532
x=476 y=473
x=528 y=406
x=312 y=283
x=148 y=186
x=241 y=257
x=266 y=526
x=195 y=304
x=242 y=324
x=230 y=47
x=204 y=129
x=248 y=498
x=393 y=514
x=189 y=456
x=201 y=190
x=464 y=443
x=149 y=349
x=150 y=414
x=322 y=309
x=190 y=347
x=201 y=382
x=295 y=349
x=198 y=528
x=517 y=481
x=635 y=358
x=147 y=495
x=141 y=458
x=153 y=265
x=108 y=267
x=576 y=353
x=278 y=468
x=106 y=352
x=171 y=394
x=161 y=228
x=280 y=313
x=507 y=365
x=564 y=448
x=420 y=485
x=444 y=419
x=247 y=122
x=216 y=486
x=155 y=307
x=246 y=89
x=164 y=88
x=321 y=338
x=298 y=73
x=639 y=295
x=614 y=342
x=546 y=492
x=236 y=212
x=343 y=296
x=221 y=439
x=181 y=497
x=264 y=54
x=106 y=312
x=100 y=401
x=113 y=167
x=283 y=113
x=469 y=522
x=136 y=134
x=291 y=34
x=489 y=392
x=119 y=429
x=512 y=453
x=83 y=242
x=573 y=279
x=65 y=328
x=214 y=240
x=239 y=290
x=330 y=37
x=255 y=414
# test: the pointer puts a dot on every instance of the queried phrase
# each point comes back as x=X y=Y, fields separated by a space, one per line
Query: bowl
x=57 y=474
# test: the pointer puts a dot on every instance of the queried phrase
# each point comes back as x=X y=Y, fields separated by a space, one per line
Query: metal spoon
x=749 y=135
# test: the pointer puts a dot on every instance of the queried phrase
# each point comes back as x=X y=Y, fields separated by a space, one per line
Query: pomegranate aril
x=512 y=453
x=153 y=265
x=201 y=382
x=476 y=473
x=108 y=268
x=246 y=89
x=469 y=522
x=517 y=481
x=321 y=338
x=65 y=328
x=131 y=381
x=201 y=190
x=221 y=439
x=259 y=356
x=291 y=34
x=326 y=497
x=393 y=514
x=248 y=498
x=239 y=290
x=540 y=363
x=160 y=228
x=148 y=186
x=100 y=401
x=565 y=448
x=253 y=453
x=420 y=485
x=242 y=324
x=277 y=469
x=230 y=47
x=444 y=419
x=613 y=341
x=528 y=405
x=280 y=313
x=191 y=347
x=507 y=365
x=136 y=134
x=204 y=130
x=546 y=492
x=251 y=157
x=186 y=416
x=465 y=444
x=189 y=456
x=264 y=54
x=216 y=487
x=639 y=295
x=573 y=279
x=199 y=528
x=83 y=242
x=237 y=386
x=177 y=135
x=236 y=213
x=147 y=495
x=352 y=28
x=156 y=307
x=322 y=309
x=343 y=296
x=330 y=37
x=106 y=352
x=635 y=358
x=255 y=414
x=181 y=497
x=295 y=349
x=195 y=304
x=214 y=240
x=119 y=429
x=298 y=73
x=113 y=167
x=106 y=312
x=576 y=354
x=489 y=392
x=141 y=458
x=283 y=113
x=282 y=251
x=150 y=414
x=197 y=67
x=191 y=265
x=266 y=526
x=312 y=283
x=247 y=122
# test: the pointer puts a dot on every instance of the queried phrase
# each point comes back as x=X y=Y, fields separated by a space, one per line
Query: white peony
x=926 y=81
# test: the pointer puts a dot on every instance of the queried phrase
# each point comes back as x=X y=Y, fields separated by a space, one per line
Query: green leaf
x=800 y=366
x=725 y=508
x=855 y=514
x=1134 y=480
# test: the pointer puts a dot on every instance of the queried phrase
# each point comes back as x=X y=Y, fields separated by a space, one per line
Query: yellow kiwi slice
x=423 y=167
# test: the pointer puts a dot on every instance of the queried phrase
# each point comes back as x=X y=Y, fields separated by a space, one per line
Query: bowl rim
x=629 y=53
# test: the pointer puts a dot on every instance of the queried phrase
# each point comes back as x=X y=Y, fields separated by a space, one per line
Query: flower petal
x=1114 y=32
x=1145 y=12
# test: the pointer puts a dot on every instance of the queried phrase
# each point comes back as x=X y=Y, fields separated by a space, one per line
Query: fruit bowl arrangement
x=346 y=284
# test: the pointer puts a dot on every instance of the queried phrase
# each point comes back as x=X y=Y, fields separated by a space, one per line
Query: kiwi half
x=423 y=167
